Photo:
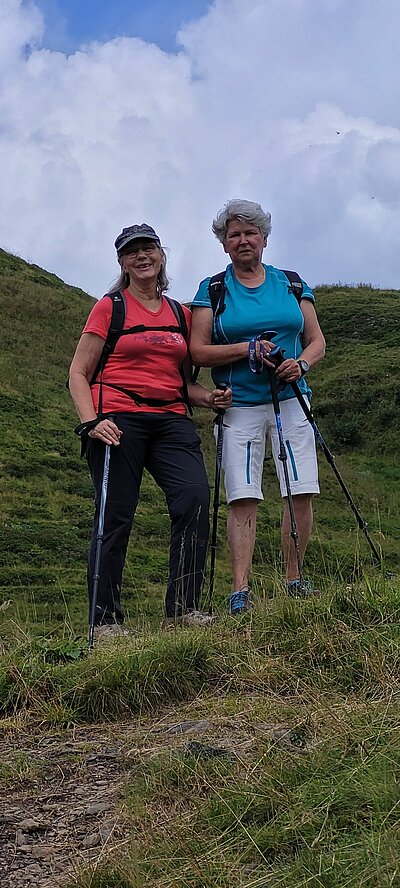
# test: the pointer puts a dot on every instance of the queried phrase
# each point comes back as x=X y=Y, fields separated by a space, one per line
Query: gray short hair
x=246 y=211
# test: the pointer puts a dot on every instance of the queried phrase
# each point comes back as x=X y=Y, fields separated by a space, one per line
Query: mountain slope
x=46 y=497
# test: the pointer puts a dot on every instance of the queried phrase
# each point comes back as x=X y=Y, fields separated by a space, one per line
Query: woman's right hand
x=106 y=431
x=268 y=347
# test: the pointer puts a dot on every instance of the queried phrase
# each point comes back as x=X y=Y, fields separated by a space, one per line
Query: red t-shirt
x=147 y=363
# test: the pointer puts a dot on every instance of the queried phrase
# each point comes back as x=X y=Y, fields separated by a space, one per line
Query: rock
x=185 y=726
x=98 y=808
x=201 y=751
x=43 y=852
x=30 y=824
x=91 y=841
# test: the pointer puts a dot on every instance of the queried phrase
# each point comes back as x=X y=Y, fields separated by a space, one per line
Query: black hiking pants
x=168 y=446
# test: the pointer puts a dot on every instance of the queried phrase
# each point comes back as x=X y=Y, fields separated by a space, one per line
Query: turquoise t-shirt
x=249 y=311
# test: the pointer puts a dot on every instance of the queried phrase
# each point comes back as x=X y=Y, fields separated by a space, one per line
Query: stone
x=91 y=841
x=30 y=824
x=201 y=751
x=98 y=808
x=183 y=727
x=43 y=852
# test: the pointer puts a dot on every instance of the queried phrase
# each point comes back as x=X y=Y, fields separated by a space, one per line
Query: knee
x=303 y=500
x=243 y=507
x=200 y=499
x=192 y=503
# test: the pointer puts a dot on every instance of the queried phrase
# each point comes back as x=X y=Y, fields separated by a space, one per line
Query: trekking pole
x=99 y=542
x=219 y=420
x=283 y=457
x=277 y=356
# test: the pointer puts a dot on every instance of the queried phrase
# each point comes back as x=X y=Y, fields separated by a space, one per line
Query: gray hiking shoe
x=110 y=631
x=298 y=589
x=196 y=618
x=170 y=623
x=192 y=618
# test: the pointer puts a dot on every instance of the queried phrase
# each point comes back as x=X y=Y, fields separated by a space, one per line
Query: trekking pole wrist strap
x=256 y=362
x=83 y=429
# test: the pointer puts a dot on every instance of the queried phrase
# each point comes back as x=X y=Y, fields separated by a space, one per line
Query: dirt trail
x=67 y=806
x=62 y=795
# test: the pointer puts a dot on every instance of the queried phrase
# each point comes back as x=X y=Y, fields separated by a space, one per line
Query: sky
x=160 y=112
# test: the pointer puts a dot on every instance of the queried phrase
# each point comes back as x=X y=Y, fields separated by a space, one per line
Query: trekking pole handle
x=83 y=429
x=223 y=386
x=277 y=356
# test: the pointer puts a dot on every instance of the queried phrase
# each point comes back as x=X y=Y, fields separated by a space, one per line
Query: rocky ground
x=62 y=795
x=64 y=809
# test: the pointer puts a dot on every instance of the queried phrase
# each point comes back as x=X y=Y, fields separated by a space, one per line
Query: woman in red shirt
x=139 y=405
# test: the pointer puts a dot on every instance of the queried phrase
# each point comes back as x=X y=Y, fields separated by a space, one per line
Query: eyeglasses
x=133 y=249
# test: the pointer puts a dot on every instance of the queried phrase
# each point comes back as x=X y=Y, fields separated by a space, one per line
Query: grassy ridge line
x=345 y=644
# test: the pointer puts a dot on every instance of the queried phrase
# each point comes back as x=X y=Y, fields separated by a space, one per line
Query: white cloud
x=21 y=25
x=289 y=102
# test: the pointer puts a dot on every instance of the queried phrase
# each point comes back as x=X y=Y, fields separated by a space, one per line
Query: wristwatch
x=304 y=366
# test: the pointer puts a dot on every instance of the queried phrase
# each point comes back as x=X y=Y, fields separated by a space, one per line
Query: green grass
x=321 y=813
x=46 y=496
x=324 y=814
x=345 y=643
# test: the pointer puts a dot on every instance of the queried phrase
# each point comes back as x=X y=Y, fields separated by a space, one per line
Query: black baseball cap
x=134 y=232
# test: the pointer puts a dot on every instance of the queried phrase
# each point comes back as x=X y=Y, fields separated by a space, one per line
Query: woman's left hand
x=288 y=371
x=221 y=399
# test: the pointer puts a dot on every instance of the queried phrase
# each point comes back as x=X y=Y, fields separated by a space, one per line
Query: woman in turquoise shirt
x=259 y=297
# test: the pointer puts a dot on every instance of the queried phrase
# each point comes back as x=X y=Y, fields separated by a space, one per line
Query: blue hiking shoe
x=239 y=602
x=298 y=589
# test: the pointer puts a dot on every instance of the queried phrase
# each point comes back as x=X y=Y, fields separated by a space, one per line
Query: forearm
x=217 y=399
x=218 y=355
x=199 y=396
x=313 y=340
x=313 y=352
x=82 y=397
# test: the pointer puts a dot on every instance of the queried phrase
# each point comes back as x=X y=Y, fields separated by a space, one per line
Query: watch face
x=304 y=367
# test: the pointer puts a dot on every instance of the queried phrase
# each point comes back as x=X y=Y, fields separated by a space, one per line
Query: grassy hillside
x=46 y=497
x=262 y=753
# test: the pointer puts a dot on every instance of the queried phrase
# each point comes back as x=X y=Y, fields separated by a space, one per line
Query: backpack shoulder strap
x=180 y=315
x=182 y=324
x=296 y=283
x=114 y=331
x=216 y=292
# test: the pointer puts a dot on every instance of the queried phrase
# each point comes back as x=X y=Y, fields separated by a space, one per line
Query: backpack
x=216 y=292
x=116 y=330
